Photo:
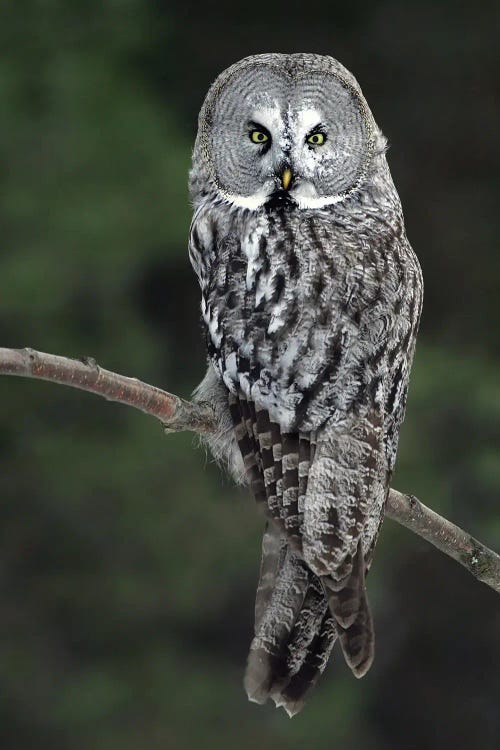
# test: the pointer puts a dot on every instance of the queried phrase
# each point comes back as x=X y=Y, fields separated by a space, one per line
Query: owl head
x=293 y=128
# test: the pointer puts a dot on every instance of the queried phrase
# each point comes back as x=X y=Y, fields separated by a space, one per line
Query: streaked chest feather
x=297 y=306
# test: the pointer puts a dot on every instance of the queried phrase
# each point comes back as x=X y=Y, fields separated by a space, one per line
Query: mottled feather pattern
x=294 y=629
x=314 y=342
x=311 y=315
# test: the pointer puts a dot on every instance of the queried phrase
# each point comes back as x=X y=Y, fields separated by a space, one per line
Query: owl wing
x=291 y=478
x=344 y=507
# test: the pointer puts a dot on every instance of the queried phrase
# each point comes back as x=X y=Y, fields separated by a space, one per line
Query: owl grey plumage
x=311 y=297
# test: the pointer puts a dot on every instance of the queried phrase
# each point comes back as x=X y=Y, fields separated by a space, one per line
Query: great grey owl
x=311 y=298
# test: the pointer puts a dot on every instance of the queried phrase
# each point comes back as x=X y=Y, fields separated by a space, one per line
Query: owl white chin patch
x=253 y=202
x=304 y=195
x=304 y=200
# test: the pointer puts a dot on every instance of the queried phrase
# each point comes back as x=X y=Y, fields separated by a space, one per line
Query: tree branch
x=482 y=562
x=177 y=415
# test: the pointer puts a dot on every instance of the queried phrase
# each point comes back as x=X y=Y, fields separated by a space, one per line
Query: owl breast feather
x=302 y=310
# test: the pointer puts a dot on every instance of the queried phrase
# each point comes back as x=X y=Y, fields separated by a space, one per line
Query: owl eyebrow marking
x=253 y=125
x=319 y=128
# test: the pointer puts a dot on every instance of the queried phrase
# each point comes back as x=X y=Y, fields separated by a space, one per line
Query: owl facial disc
x=266 y=129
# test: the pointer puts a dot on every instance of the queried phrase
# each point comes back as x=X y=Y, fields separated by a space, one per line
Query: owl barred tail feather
x=315 y=659
x=350 y=608
x=294 y=631
x=298 y=615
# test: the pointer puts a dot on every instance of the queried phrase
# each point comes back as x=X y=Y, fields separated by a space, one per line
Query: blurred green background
x=128 y=563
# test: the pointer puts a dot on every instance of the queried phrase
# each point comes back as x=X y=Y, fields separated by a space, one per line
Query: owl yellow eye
x=316 y=139
x=257 y=136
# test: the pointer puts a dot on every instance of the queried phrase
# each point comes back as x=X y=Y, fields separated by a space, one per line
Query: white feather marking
x=231 y=366
x=265 y=288
x=272 y=120
x=226 y=377
x=253 y=202
x=250 y=248
x=246 y=348
x=213 y=326
x=277 y=319
x=304 y=121
x=304 y=201
x=290 y=354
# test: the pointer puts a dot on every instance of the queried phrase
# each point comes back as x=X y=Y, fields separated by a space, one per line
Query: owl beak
x=286 y=178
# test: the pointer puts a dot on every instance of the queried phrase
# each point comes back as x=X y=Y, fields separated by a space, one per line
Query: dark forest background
x=128 y=563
